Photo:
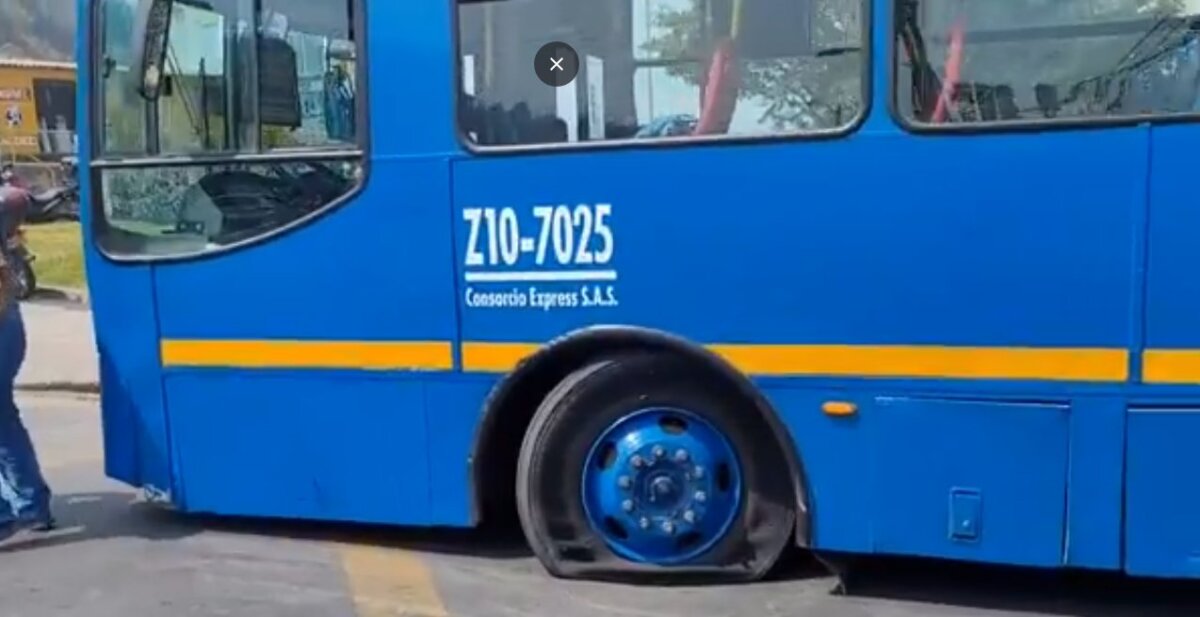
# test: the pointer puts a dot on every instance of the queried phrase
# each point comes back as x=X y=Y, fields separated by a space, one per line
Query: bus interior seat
x=1006 y=103
x=1047 y=99
x=520 y=117
x=497 y=126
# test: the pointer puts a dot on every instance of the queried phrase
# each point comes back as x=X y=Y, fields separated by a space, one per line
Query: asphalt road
x=115 y=557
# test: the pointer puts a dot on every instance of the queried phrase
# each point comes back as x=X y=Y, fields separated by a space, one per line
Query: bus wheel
x=642 y=467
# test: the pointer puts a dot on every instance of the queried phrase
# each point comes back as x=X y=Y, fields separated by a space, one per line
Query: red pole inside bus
x=721 y=90
x=953 y=71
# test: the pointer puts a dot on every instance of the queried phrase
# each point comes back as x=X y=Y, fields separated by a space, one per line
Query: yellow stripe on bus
x=1171 y=366
x=899 y=361
x=495 y=357
x=1059 y=364
x=359 y=355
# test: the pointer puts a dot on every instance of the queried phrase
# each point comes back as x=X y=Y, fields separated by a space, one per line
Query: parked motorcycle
x=48 y=206
x=57 y=204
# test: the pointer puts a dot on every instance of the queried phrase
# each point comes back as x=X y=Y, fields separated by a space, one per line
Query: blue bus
x=673 y=285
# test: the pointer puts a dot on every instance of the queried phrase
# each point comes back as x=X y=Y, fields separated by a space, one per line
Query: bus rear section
x=740 y=281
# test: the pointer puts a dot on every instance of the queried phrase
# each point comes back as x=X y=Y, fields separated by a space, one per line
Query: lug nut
x=637 y=461
x=644 y=523
x=659 y=452
x=698 y=472
x=689 y=517
x=627 y=505
x=625 y=482
x=681 y=456
x=668 y=527
x=701 y=496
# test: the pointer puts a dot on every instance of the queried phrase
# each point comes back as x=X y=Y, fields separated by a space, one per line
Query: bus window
x=124 y=126
x=1013 y=61
x=241 y=77
x=652 y=69
x=316 y=40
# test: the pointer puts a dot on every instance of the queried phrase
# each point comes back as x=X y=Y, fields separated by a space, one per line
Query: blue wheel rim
x=661 y=486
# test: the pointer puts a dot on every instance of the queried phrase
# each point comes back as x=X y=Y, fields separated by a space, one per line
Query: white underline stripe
x=542 y=277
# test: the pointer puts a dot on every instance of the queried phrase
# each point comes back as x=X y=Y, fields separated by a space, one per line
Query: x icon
x=556 y=64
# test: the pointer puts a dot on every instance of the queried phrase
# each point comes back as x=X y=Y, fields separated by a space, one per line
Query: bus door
x=1163 y=512
x=297 y=289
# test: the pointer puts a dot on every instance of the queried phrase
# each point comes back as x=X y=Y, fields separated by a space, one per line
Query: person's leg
x=19 y=466
x=25 y=489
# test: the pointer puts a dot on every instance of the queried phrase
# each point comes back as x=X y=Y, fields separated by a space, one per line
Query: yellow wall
x=16 y=92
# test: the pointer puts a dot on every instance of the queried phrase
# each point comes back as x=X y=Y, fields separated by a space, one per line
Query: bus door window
x=242 y=77
x=123 y=109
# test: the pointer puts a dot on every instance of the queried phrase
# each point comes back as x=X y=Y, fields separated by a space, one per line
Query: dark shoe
x=41 y=524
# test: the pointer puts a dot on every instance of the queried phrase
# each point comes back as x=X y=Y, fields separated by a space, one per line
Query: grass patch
x=59 y=250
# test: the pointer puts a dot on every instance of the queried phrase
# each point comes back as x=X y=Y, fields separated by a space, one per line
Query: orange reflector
x=839 y=408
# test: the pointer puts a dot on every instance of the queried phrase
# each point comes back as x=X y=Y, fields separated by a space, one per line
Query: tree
x=798 y=92
x=38 y=29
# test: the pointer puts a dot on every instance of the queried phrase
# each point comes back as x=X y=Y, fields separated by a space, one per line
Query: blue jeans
x=22 y=486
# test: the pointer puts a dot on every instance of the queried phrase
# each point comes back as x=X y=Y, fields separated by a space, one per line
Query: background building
x=37 y=101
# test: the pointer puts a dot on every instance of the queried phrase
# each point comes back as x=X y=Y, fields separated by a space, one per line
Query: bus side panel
x=455 y=404
x=838 y=462
x=787 y=244
x=134 y=420
x=1172 y=286
x=1163 y=503
x=375 y=271
x=1096 y=483
x=977 y=480
x=336 y=447
x=1162 y=536
x=920 y=476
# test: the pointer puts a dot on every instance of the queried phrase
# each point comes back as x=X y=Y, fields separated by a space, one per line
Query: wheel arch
x=511 y=404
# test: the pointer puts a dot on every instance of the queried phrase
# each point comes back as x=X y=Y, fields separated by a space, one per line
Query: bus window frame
x=703 y=141
x=999 y=127
x=99 y=162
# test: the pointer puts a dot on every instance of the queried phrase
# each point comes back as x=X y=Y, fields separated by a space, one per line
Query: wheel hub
x=649 y=489
x=663 y=489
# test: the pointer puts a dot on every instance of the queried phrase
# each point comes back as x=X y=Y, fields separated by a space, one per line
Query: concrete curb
x=63 y=387
x=61 y=294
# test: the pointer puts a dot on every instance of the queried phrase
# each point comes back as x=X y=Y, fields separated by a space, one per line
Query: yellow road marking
x=390 y=582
